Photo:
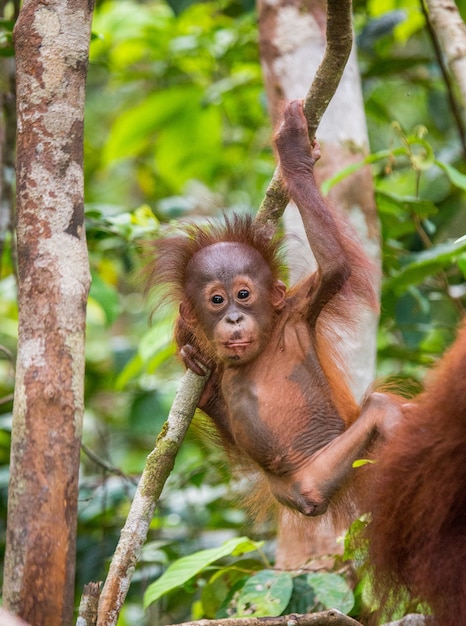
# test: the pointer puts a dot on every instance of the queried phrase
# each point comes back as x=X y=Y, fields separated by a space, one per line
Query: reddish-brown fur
x=278 y=394
x=417 y=537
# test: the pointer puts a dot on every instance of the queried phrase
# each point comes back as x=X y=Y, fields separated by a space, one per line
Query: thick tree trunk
x=292 y=44
x=51 y=42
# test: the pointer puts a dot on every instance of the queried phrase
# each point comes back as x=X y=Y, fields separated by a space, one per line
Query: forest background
x=177 y=126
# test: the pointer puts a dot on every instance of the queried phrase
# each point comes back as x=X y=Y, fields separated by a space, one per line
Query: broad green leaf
x=424 y=264
x=182 y=570
x=134 y=129
x=189 y=149
x=156 y=339
x=331 y=591
x=177 y=127
x=265 y=594
x=131 y=370
x=165 y=354
x=303 y=598
x=393 y=204
x=156 y=346
x=217 y=593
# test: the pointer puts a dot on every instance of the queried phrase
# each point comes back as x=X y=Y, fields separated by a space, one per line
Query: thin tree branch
x=331 y=617
x=324 y=618
x=158 y=466
x=6 y=399
x=339 y=34
x=7 y=353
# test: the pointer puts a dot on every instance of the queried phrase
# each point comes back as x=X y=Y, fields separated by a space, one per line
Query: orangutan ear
x=278 y=295
x=187 y=313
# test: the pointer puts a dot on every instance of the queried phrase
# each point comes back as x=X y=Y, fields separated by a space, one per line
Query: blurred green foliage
x=177 y=126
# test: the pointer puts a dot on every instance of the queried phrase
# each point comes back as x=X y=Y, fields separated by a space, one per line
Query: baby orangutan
x=277 y=393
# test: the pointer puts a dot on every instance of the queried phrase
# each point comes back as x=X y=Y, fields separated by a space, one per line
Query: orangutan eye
x=216 y=299
x=243 y=294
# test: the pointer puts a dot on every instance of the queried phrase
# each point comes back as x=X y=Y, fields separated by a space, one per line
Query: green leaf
x=462 y=263
x=422 y=157
x=355 y=543
x=131 y=370
x=133 y=130
x=265 y=594
x=156 y=339
x=362 y=462
x=217 y=593
x=393 y=204
x=354 y=167
x=303 y=598
x=424 y=264
x=177 y=127
x=456 y=177
x=332 y=591
x=182 y=570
